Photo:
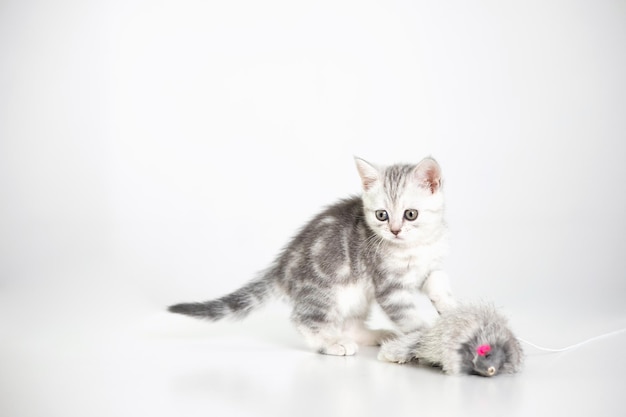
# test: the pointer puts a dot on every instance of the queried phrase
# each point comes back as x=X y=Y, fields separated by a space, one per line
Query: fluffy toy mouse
x=470 y=339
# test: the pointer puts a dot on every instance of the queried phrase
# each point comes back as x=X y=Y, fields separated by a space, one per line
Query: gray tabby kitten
x=381 y=247
x=470 y=339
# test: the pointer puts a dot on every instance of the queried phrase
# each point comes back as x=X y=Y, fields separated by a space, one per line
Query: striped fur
x=345 y=259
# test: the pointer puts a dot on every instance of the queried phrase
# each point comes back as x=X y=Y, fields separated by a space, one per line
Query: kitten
x=382 y=247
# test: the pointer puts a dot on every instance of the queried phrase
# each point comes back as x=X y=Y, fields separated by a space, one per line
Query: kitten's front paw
x=445 y=305
x=394 y=351
x=390 y=356
x=341 y=349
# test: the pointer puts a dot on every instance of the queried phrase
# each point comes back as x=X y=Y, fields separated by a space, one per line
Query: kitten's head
x=403 y=203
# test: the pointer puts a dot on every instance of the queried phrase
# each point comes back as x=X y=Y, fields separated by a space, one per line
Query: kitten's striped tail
x=237 y=304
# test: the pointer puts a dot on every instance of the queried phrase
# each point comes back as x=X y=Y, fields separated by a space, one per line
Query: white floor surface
x=164 y=365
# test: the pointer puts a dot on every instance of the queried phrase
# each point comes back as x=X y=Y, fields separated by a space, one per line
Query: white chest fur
x=354 y=299
x=413 y=264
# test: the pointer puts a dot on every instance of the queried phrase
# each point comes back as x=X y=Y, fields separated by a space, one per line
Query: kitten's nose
x=395 y=232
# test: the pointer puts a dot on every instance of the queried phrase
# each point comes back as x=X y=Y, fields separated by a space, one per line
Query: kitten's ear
x=428 y=174
x=368 y=172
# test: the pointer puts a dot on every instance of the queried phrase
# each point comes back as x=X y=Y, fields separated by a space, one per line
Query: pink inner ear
x=369 y=174
x=482 y=350
x=429 y=174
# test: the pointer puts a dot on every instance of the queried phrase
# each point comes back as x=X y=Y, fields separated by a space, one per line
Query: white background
x=163 y=151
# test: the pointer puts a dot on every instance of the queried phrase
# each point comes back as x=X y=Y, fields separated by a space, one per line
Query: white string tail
x=584 y=342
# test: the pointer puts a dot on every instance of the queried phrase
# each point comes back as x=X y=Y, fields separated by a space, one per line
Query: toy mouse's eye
x=381 y=215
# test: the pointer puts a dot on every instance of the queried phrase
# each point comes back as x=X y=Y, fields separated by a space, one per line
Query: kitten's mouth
x=396 y=239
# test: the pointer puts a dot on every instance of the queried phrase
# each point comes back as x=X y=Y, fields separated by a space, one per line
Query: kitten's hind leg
x=323 y=335
x=363 y=335
x=341 y=348
x=329 y=340
x=343 y=340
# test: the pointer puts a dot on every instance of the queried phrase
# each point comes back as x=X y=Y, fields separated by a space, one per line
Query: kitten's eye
x=381 y=215
x=410 y=214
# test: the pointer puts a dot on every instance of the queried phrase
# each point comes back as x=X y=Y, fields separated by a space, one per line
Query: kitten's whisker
x=373 y=242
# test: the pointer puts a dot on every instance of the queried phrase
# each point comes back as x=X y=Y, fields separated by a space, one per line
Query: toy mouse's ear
x=483 y=350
